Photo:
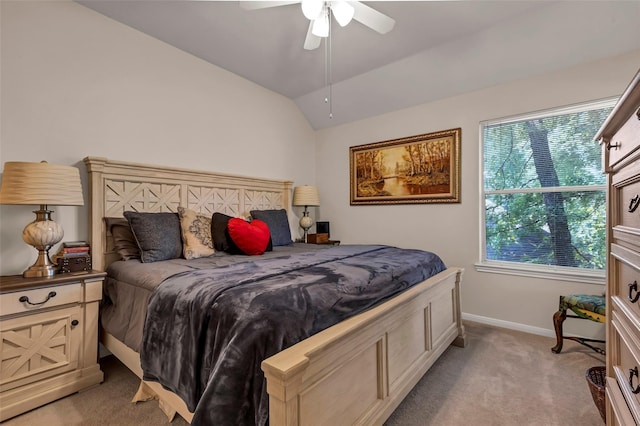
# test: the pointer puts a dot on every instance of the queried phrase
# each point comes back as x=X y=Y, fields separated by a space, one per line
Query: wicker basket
x=596 y=377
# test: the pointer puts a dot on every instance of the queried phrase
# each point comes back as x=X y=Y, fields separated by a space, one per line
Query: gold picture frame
x=412 y=170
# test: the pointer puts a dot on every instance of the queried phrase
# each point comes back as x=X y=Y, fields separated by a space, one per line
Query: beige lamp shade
x=306 y=195
x=41 y=184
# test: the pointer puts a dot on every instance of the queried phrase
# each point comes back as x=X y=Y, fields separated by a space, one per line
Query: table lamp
x=306 y=196
x=41 y=184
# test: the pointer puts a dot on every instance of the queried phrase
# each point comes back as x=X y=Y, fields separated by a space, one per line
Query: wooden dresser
x=620 y=140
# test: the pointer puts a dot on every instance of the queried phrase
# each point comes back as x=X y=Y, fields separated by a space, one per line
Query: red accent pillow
x=250 y=237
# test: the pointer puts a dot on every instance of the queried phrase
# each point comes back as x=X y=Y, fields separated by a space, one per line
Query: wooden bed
x=356 y=372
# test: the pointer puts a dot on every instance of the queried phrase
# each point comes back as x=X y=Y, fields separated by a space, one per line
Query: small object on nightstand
x=79 y=263
x=74 y=256
x=323 y=228
x=321 y=239
x=317 y=238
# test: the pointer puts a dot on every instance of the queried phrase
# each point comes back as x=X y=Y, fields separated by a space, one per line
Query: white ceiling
x=436 y=49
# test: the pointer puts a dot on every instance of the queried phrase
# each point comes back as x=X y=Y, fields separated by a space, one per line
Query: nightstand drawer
x=38 y=346
x=39 y=298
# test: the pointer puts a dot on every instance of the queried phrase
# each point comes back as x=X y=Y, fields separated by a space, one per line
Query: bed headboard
x=118 y=186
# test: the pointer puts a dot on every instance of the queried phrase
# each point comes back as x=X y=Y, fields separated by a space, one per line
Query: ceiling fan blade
x=254 y=5
x=312 y=41
x=372 y=18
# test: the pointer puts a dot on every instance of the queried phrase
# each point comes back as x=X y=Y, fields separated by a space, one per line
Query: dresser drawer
x=626 y=140
x=627 y=361
x=618 y=404
x=627 y=285
x=39 y=298
x=629 y=205
x=629 y=372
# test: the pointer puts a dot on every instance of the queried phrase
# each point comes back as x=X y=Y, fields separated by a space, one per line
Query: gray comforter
x=207 y=331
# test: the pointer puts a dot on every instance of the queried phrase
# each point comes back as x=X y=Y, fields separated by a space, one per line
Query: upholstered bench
x=585 y=306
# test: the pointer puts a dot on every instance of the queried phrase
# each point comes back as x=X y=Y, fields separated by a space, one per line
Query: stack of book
x=74 y=248
x=73 y=256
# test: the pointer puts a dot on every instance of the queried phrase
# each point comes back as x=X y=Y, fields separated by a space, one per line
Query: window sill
x=550 y=272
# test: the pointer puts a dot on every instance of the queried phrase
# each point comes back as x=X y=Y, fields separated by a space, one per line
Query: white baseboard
x=510 y=325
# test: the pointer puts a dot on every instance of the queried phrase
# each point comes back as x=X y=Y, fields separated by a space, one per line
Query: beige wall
x=75 y=83
x=452 y=230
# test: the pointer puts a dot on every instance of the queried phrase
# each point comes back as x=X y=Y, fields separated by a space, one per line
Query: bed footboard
x=359 y=371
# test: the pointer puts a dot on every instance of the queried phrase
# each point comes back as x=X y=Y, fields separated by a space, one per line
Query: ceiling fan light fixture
x=321 y=25
x=342 y=11
x=312 y=9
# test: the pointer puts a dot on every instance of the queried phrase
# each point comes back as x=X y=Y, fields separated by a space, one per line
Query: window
x=544 y=191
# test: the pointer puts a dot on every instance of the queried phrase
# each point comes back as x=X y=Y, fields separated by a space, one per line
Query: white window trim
x=602 y=103
x=581 y=188
x=586 y=276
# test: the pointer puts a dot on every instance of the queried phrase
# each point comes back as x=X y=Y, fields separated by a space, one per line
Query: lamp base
x=305 y=223
x=41 y=269
x=43 y=233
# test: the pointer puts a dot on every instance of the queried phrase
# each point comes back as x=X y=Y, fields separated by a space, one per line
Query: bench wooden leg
x=558 y=319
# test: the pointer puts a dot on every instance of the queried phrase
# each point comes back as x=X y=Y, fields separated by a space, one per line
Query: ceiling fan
x=319 y=13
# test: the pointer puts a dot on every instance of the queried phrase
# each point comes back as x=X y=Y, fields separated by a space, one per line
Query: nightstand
x=48 y=338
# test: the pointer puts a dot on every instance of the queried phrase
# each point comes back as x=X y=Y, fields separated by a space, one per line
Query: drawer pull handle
x=613 y=146
x=633 y=372
x=26 y=299
x=638 y=113
x=634 y=287
x=634 y=203
x=74 y=323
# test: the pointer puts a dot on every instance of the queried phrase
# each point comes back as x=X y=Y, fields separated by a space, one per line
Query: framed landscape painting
x=416 y=169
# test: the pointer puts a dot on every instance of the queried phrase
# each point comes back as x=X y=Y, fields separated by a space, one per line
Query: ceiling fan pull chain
x=326 y=66
x=329 y=70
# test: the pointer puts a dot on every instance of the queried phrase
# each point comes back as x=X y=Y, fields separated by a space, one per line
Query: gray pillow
x=123 y=240
x=157 y=235
x=278 y=224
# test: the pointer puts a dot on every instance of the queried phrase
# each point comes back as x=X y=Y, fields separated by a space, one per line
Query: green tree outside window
x=544 y=190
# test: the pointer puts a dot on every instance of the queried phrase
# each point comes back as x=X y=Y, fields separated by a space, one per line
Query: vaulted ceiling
x=437 y=49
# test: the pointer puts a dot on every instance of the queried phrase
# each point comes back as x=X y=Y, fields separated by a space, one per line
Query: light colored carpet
x=502 y=377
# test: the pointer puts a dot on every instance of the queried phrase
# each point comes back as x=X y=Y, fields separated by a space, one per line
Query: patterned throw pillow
x=196 y=234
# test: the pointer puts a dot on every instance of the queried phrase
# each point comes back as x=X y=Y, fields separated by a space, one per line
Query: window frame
x=562 y=273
